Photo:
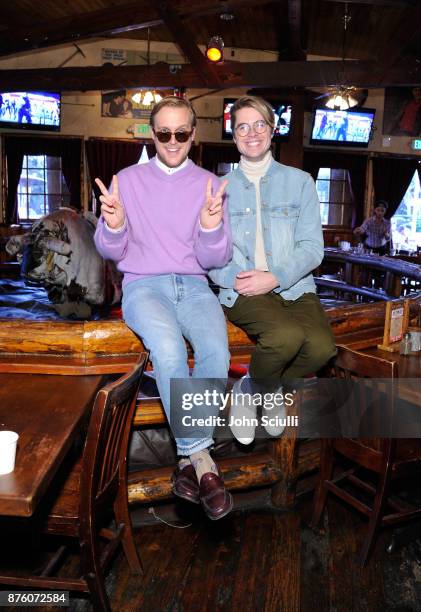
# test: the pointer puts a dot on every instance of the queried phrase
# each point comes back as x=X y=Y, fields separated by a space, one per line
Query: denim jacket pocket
x=284 y=210
x=235 y=214
x=283 y=217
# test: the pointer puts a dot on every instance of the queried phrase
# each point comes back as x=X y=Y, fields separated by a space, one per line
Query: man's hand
x=212 y=211
x=255 y=282
x=111 y=208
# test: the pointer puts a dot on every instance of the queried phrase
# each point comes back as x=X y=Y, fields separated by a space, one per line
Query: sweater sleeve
x=214 y=248
x=111 y=245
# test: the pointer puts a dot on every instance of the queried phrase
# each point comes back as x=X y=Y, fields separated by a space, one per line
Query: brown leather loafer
x=185 y=484
x=215 y=499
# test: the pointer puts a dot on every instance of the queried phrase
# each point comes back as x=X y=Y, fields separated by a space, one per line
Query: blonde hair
x=260 y=105
x=173 y=102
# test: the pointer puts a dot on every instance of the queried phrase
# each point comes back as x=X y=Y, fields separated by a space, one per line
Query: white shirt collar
x=167 y=169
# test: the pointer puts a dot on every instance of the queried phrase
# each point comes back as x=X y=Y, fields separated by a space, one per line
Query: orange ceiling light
x=215 y=49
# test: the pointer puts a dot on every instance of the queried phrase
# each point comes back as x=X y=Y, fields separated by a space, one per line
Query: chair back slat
x=108 y=435
x=113 y=431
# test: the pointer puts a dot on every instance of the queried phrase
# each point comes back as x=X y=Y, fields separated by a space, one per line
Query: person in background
x=25 y=111
x=267 y=288
x=377 y=230
x=164 y=224
x=115 y=108
x=127 y=109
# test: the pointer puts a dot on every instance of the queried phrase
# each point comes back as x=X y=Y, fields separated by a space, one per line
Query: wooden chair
x=95 y=489
x=387 y=457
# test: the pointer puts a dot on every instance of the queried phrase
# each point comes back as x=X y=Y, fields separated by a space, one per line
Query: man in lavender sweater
x=164 y=224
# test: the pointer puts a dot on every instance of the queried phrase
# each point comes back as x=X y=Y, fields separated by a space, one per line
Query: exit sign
x=141 y=130
x=416 y=144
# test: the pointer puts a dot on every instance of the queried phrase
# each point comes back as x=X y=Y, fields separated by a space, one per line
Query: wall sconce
x=215 y=49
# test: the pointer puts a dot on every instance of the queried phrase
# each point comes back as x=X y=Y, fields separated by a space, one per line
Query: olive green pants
x=293 y=336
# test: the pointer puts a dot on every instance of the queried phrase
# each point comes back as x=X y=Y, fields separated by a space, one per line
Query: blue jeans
x=163 y=309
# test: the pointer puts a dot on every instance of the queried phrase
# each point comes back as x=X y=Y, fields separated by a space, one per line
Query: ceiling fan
x=343 y=96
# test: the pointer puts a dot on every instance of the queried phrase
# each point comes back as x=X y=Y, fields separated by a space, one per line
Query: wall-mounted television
x=31 y=110
x=282 y=112
x=351 y=128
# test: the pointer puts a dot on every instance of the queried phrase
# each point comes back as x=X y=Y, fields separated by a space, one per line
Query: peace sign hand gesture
x=111 y=209
x=212 y=211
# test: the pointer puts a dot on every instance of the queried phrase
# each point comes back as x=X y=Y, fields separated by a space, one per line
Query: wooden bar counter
x=109 y=346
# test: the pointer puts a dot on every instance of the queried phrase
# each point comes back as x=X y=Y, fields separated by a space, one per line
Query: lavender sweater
x=162 y=233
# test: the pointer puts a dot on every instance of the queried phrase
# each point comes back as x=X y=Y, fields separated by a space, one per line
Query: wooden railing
x=363 y=277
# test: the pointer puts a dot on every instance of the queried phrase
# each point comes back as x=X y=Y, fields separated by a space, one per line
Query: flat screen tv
x=351 y=128
x=31 y=110
x=282 y=112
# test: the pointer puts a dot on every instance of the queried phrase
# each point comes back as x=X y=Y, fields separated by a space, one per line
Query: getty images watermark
x=200 y=406
x=267 y=401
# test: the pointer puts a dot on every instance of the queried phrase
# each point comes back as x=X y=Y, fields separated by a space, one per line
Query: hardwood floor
x=260 y=559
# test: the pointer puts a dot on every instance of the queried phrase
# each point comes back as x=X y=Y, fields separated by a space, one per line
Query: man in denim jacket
x=267 y=288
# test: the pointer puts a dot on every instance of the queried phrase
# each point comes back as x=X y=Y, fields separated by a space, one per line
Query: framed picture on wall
x=402 y=111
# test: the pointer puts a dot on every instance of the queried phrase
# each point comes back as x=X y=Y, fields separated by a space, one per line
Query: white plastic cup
x=8 y=442
x=345 y=245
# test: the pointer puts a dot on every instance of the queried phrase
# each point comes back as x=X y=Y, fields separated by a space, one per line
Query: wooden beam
x=231 y=74
x=185 y=40
x=111 y=21
x=294 y=22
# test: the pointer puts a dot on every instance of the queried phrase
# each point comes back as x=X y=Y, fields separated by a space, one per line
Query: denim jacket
x=291 y=226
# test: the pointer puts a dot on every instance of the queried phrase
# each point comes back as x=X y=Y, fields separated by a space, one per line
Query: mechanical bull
x=59 y=253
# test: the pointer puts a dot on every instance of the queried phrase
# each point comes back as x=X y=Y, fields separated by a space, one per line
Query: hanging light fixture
x=147 y=96
x=342 y=97
x=137 y=97
x=215 y=49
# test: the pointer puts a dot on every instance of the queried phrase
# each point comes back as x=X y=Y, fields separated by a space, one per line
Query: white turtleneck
x=254 y=171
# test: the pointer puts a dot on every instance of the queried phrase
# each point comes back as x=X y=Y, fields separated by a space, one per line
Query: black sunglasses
x=165 y=136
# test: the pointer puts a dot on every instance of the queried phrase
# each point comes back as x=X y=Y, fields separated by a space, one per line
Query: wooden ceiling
x=383 y=36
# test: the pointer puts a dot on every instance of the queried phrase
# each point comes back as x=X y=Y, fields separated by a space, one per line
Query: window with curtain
x=41 y=188
x=336 y=203
x=406 y=222
x=143 y=159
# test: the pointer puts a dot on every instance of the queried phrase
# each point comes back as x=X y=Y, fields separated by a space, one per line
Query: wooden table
x=46 y=411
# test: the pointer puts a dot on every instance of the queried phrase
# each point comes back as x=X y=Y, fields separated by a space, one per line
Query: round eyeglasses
x=164 y=136
x=258 y=126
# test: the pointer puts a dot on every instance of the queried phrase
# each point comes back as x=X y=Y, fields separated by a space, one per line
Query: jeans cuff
x=195 y=447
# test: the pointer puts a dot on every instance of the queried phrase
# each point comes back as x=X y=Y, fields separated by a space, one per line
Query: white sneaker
x=243 y=419
x=274 y=418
